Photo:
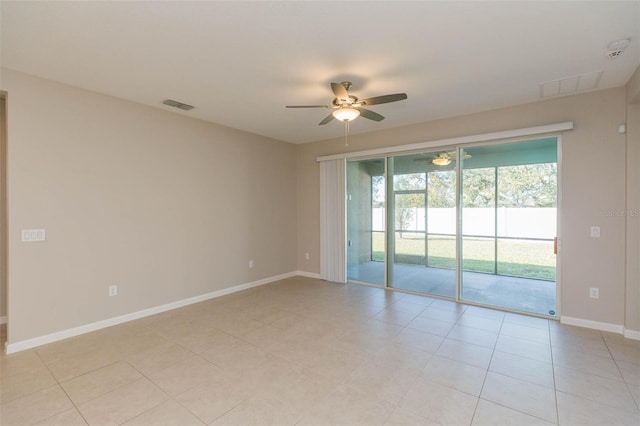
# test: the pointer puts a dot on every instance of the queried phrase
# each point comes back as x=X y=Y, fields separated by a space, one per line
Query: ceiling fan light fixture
x=441 y=161
x=346 y=114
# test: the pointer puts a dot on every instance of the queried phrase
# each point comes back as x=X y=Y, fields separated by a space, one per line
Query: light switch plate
x=595 y=231
x=33 y=235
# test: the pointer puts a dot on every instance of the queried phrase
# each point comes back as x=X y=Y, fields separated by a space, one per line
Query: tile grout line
x=484 y=381
x=62 y=389
x=123 y=360
x=172 y=398
x=615 y=361
x=602 y=377
x=553 y=371
x=169 y=397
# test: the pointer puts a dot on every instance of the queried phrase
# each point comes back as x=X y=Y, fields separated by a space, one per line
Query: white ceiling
x=240 y=63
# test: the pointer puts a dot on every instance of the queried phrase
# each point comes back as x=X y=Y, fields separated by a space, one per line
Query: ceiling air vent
x=176 y=104
x=565 y=86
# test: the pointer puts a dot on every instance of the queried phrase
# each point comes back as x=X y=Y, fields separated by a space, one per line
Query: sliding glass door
x=475 y=223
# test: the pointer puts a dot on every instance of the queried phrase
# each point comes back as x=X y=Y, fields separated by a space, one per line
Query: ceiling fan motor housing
x=353 y=100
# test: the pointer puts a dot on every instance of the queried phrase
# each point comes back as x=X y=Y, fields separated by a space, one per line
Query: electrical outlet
x=251 y=264
x=594 y=293
x=306 y=256
x=113 y=290
x=595 y=232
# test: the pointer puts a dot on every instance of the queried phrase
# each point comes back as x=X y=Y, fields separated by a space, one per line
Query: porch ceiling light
x=441 y=161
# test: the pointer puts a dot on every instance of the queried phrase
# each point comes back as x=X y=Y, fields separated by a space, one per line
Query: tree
x=529 y=185
x=441 y=188
x=377 y=191
x=478 y=187
x=409 y=182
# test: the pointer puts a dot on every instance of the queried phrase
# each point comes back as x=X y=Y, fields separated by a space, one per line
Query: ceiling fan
x=443 y=158
x=347 y=107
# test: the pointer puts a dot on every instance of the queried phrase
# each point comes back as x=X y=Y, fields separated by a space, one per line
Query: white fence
x=532 y=222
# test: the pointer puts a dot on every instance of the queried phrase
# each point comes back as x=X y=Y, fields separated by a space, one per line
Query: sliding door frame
x=460 y=143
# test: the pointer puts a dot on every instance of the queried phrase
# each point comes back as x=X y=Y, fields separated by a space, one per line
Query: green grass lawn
x=518 y=258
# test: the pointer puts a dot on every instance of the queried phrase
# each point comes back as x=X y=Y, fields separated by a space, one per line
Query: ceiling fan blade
x=308 y=106
x=340 y=92
x=384 y=99
x=370 y=114
x=453 y=155
x=327 y=119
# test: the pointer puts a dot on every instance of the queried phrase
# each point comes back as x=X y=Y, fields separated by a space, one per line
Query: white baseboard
x=3 y=320
x=308 y=274
x=602 y=326
x=632 y=334
x=87 y=328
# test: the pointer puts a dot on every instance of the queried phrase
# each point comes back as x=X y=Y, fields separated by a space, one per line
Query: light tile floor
x=304 y=351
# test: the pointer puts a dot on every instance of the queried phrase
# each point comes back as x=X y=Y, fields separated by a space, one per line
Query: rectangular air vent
x=176 y=104
x=569 y=85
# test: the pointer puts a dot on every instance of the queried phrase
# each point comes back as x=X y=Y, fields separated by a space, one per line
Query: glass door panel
x=423 y=246
x=366 y=221
x=441 y=220
x=509 y=209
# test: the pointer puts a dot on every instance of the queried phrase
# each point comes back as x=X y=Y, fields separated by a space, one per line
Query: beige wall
x=164 y=206
x=590 y=188
x=632 y=212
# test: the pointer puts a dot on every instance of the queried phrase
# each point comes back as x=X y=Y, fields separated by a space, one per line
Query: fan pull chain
x=346 y=132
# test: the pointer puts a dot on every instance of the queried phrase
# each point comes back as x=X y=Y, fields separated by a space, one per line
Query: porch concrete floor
x=520 y=294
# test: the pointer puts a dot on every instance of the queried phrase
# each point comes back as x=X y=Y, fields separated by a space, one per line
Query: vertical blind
x=332 y=220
